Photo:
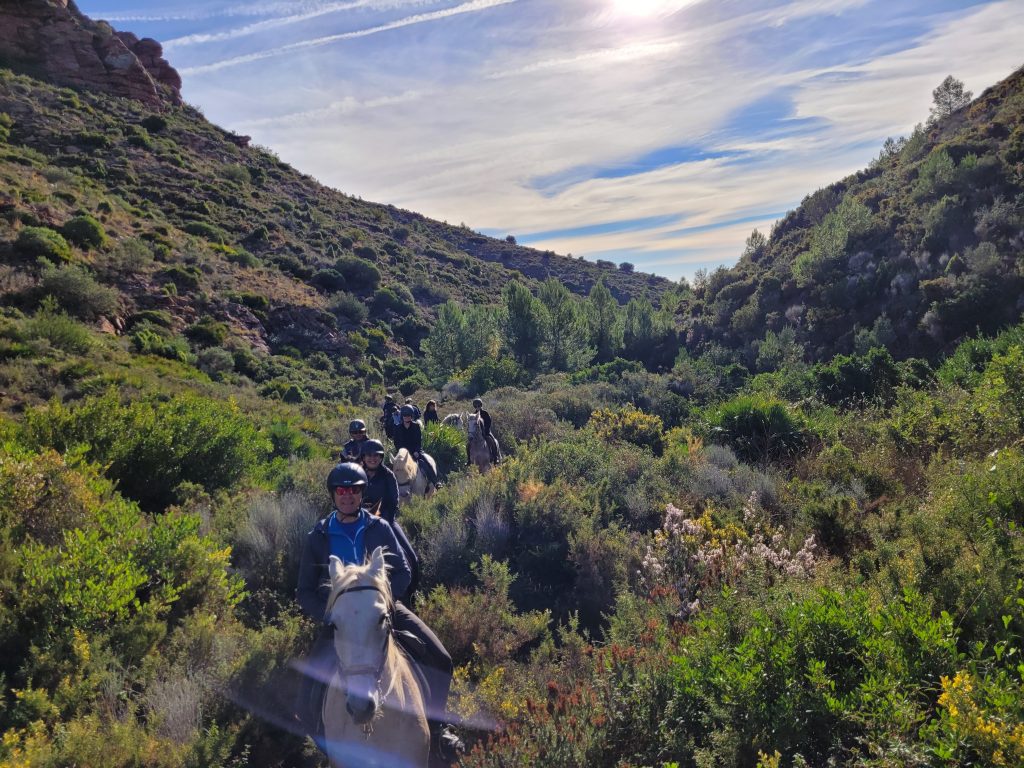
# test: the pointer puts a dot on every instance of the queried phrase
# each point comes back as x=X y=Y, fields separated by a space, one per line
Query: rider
x=409 y=435
x=483 y=420
x=350 y=533
x=356 y=431
x=430 y=413
x=381 y=495
x=388 y=411
x=415 y=408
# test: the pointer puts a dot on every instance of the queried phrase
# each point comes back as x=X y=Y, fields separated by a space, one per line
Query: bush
x=360 y=275
x=489 y=373
x=152 y=447
x=348 y=306
x=154 y=123
x=207 y=232
x=216 y=362
x=150 y=339
x=631 y=425
x=849 y=378
x=758 y=429
x=59 y=329
x=42 y=242
x=208 y=332
x=386 y=300
x=85 y=232
x=77 y=290
x=185 y=278
x=448 y=447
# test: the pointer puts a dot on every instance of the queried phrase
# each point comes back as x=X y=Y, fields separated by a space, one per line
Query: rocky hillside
x=920 y=249
x=190 y=229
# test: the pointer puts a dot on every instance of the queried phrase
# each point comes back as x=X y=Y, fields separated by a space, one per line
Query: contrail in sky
x=473 y=5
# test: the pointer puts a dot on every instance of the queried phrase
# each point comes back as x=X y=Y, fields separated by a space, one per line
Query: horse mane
x=402 y=466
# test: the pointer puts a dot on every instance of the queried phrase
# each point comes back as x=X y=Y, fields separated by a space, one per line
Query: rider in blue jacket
x=350 y=533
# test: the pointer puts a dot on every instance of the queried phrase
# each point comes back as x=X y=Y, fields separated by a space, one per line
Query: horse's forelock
x=361 y=576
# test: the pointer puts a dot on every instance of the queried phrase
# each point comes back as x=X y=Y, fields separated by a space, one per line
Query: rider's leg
x=316 y=673
x=429 y=470
x=431 y=656
x=492 y=446
x=412 y=557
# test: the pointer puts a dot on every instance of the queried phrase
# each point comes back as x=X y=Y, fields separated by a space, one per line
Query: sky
x=658 y=132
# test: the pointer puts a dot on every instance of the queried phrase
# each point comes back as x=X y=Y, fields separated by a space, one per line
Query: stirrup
x=446 y=744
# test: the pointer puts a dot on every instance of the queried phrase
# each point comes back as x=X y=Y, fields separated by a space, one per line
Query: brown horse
x=373 y=713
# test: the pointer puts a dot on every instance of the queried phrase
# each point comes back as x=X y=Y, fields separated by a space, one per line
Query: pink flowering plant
x=693 y=554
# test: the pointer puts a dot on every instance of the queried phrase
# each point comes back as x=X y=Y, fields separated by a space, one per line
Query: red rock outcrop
x=53 y=40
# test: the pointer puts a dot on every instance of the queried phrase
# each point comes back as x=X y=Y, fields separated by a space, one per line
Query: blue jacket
x=314 y=578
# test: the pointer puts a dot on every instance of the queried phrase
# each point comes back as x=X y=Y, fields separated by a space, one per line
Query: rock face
x=54 y=41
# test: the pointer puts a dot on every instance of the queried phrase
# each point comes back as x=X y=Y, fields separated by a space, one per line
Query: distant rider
x=409 y=435
x=389 y=415
x=353 y=448
x=483 y=420
x=430 y=413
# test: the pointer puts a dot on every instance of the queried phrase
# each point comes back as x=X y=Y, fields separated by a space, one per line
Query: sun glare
x=641 y=9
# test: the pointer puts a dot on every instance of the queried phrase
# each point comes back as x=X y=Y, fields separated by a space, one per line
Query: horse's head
x=359 y=608
x=404 y=467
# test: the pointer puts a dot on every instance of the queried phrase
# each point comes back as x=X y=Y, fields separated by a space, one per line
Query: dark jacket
x=485 y=422
x=382 y=487
x=314 y=578
x=431 y=416
x=351 y=449
x=410 y=438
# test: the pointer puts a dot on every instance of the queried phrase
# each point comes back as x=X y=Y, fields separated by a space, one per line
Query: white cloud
x=457 y=121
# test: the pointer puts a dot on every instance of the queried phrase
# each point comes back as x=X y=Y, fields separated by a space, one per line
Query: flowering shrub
x=631 y=425
x=692 y=555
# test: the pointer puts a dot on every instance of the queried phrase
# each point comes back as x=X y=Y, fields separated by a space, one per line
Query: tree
x=459 y=338
x=604 y=322
x=566 y=333
x=755 y=247
x=948 y=98
x=524 y=325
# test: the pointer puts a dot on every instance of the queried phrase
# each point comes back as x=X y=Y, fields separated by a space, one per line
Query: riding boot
x=445 y=744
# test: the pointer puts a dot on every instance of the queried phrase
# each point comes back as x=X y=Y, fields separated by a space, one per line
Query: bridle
x=366 y=669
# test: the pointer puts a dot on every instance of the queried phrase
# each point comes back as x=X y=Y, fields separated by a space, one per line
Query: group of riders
x=364 y=509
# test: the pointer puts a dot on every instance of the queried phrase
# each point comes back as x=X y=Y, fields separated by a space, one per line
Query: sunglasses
x=350 y=490
x=358 y=432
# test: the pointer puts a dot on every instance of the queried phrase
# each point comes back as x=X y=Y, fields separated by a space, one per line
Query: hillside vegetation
x=709 y=544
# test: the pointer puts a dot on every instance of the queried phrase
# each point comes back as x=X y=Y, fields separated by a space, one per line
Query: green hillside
x=726 y=532
x=915 y=252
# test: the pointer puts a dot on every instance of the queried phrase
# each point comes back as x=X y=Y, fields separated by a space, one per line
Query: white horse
x=411 y=482
x=479 y=451
x=457 y=420
x=374 y=713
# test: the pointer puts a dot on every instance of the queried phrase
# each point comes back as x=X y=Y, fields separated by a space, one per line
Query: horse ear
x=335 y=567
x=377 y=561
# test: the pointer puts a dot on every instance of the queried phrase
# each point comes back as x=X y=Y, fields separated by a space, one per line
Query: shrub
x=59 y=329
x=5 y=127
x=76 y=289
x=208 y=332
x=631 y=425
x=386 y=300
x=242 y=258
x=489 y=373
x=182 y=277
x=448 y=447
x=207 y=232
x=328 y=280
x=154 y=123
x=42 y=242
x=85 y=232
x=150 y=339
x=216 y=362
x=848 y=378
x=758 y=429
x=360 y=275
x=348 y=306
x=152 y=447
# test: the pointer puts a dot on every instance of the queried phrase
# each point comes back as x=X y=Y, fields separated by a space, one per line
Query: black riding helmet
x=372 y=448
x=345 y=475
x=408 y=410
x=356 y=425
x=478 y=403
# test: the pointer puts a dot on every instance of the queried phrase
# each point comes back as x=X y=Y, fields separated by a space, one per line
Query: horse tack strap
x=359 y=588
